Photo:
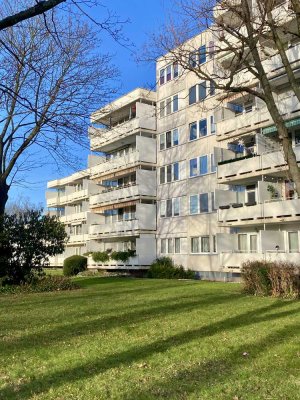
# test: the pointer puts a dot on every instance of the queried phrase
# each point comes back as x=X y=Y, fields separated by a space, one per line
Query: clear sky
x=145 y=17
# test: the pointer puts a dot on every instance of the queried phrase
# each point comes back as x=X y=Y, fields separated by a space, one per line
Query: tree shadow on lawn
x=162 y=308
x=214 y=371
x=87 y=370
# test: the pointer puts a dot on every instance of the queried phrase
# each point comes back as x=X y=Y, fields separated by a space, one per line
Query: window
x=170 y=246
x=194 y=205
x=163 y=245
x=192 y=95
x=202 y=54
x=193 y=167
x=162 y=175
x=297 y=138
x=212 y=89
x=212 y=197
x=203 y=199
x=194 y=245
x=169 y=173
x=169 y=73
x=170 y=207
x=293 y=240
x=175 y=70
x=169 y=139
x=175 y=103
x=203 y=127
x=205 y=248
x=211 y=49
x=162 y=141
x=177 y=245
x=253 y=243
x=202 y=91
x=162 y=109
x=212 y=163
x=193 y=60
x=175 y=137
x=242 y=242
x=203 y=165
x=193 y=131
x=212 y=124
x=169 y=106
x=214 y=244
x=162 y=76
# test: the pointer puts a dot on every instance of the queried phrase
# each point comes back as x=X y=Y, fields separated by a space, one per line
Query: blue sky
x=146 y=16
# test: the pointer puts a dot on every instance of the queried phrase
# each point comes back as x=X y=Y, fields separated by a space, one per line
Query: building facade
x=200 y=177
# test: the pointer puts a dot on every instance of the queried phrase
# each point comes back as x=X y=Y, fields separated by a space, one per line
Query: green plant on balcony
x=231 y=160
x=122 y=256
x=273 y=191
x=100 y=256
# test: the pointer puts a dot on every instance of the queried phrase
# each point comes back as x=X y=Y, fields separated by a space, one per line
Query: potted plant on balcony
x=273 y=191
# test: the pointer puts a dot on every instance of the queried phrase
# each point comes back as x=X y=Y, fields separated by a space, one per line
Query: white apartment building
x=216 y=170
x=111 y=206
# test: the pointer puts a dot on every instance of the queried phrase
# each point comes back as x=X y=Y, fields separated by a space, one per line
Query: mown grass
x=149 y=339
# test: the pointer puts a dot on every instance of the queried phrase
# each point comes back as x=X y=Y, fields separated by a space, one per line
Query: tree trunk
x=4 y=188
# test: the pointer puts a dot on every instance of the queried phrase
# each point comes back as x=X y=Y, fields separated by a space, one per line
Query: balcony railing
x=80 y=216
x=120 y=228
x=55 y=199
x=100 y=137
x=264 y=164
x=273 y=211
x=81 y=238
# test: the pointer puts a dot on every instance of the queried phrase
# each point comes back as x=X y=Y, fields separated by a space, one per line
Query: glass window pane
x=212 y=89
x=214 y=244
x=176 y=171
x=177 y=245
x=203 y=127
x=253 y=243
x=168 y=139
x=212 y=124
x=175 y=70
x=205 y=248
x=162 y=76
x=175 y=103
x=203 y=165
x=202 y=54
x=203 y=202
x=195 y=245
x=242 y=242
x=194 y=209
x=293 y=242
x=162 y=141
x=175 y=137
x=193 y=131
x=213 y=207
x=162 y=175
x=192 y=95
x=212 y=163
x=176 y=207
x=163 y=246
x=169 y=75
x=202 y=91
x=194 y=167
x=168 y=106
x=193 y=60
x=169 y=208
x=169 y=173
x=162 y=109
x=170 y=246
x=163 y=208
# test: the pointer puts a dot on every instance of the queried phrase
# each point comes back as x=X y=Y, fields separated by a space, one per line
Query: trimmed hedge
x=164 y=268
x=277 y=279
x=74 y=264
x=49 y=283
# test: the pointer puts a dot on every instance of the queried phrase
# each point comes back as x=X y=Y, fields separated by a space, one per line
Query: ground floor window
x=293 y=242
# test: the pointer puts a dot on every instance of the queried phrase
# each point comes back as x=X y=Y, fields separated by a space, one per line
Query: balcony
x=240 y=171
x=101 y=139
x=81 y=216
x=137 y=262
x=232 y=262
x=235 y=126
x=269 y=212
x=223 y=12
x=57 y=199
x=145 y=221
x=77 y=239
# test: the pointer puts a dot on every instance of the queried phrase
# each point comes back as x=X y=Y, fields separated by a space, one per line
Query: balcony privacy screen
x=289 y=124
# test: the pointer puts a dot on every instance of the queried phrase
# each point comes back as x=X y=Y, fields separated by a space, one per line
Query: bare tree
x=51 y=80
x=249 y=34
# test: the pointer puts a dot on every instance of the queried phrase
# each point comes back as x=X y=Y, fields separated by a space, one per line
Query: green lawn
x=149 y=339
